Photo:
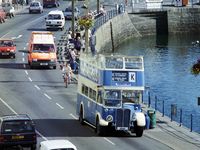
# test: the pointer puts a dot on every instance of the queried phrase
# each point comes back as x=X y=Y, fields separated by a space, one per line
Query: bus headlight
x=109 y=118
x=134 y=117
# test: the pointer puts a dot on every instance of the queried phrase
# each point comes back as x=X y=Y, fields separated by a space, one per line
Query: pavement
x=172 y=134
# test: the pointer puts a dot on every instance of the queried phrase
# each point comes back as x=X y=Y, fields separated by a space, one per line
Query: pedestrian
x=77 y=44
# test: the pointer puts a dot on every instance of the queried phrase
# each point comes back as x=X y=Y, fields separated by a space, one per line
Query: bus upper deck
x=106 y=62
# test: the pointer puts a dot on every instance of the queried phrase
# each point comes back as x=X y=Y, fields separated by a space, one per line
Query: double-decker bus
x=110 y=89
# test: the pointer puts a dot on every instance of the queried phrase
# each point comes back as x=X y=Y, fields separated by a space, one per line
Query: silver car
x=35 y=6
x=68 y=13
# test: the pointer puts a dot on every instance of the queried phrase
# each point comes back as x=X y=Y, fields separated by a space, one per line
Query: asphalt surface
x=41 y=94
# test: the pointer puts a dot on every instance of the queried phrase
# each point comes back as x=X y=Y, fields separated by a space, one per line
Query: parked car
x=35 y=6
x=9 y=9
x=57 y=145
x=68 y=13
x=2 y=15
x=7 y=48
x=17 y=130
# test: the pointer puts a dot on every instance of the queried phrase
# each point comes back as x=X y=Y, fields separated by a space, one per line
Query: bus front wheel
x=99 y=128
x=81 y=120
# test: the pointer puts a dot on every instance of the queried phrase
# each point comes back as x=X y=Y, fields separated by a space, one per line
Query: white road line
x=41 y=135
x=47 y=96
x=109 y=141
x=24 y=48
x=16 y=114
x=24 y=66
x=37 y=87
x=30 y=79
x=59 y=106
x=27 y=44
x=23 y=59
x=22 y=54
x=6 y=34
x=8 y=106
x=26 y=72
x=73 y=116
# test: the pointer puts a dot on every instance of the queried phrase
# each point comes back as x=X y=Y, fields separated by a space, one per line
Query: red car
x=2 y=15
x=7 y=48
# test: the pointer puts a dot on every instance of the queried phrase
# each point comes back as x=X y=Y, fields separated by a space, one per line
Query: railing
x=180 y=115
x=102 y=19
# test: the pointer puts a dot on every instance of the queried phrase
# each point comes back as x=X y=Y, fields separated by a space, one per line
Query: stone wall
x=126 y=26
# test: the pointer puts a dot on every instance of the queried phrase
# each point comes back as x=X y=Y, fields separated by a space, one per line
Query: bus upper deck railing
x=114 y=61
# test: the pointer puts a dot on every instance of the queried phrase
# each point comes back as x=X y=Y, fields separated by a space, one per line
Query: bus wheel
x=81 y=120
x=139 y=131
x=99 y=128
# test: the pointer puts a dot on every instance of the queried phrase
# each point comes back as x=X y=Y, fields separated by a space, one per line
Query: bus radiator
x=122 y=119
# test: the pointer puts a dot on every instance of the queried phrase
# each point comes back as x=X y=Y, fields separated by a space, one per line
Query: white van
x=55 y=20
x=57 y=145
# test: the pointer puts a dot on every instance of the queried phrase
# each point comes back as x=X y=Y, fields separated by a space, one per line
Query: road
x=40 y=93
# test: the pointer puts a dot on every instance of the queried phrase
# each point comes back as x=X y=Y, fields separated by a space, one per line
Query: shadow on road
x=71 y=128
x=13 y=65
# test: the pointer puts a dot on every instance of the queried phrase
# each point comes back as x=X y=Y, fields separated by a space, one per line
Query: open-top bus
x=110 y=91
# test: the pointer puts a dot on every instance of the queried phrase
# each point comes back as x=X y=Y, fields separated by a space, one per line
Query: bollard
x=149 y=100
x=180 y=117
x=163 y=109
x=191 y=122
x=156 y=103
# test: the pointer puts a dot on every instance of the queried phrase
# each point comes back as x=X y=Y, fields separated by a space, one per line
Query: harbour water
x=168 y=62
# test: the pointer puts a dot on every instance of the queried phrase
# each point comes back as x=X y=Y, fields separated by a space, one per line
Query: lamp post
x=73 y=19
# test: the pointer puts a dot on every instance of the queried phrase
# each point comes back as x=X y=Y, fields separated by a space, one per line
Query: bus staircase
x=64 y=55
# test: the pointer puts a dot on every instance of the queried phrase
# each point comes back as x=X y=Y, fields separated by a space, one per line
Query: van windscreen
x=43 y=48
x=54 y=17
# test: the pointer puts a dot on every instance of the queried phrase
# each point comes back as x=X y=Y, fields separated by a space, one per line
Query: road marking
x=22 y=54
x=37 y=87
x=24 y=66
x=59 y=106
x=24 y=48
x=47 y=96
x=26 y=72
x=27 y=44
x=73 y=116
x=8 y=106
x=109 y=141
x=6 y=34
x=23 y=59
x=30 y=79
x=17 y=113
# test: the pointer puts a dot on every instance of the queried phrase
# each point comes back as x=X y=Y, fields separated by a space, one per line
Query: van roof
x=42 y=37
x=55 y=144
x=56 y=12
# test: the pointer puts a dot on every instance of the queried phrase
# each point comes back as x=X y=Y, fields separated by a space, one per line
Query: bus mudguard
x=102 y=122
x=140 y=118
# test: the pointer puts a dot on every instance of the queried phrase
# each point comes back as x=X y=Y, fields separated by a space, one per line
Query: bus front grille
x=122 y=119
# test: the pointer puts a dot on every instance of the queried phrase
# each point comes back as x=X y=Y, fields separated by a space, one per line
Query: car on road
x=17 y=129
x=68 y=13
x=7 y=47
x=55 y=20
x=57 y=145
x=36 y=7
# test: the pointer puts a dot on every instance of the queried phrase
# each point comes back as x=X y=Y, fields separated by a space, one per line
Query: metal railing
x=180 y=115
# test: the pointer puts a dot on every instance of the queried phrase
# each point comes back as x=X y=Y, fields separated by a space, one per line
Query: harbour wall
x=139 y=24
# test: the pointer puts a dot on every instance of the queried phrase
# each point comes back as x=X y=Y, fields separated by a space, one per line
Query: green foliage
x=87 y=21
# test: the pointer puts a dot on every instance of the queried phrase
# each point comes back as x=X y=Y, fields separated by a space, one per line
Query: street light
x=73 y=19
